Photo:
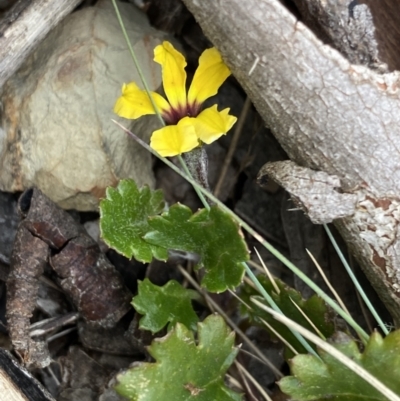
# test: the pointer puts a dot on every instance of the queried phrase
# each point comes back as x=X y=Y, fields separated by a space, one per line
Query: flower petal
x=211 y=124
x=173 y=140
x=209 y=76
x=135 y=102
x=173 y=74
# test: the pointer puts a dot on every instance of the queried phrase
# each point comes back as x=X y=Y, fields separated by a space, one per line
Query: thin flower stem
x=276 y=308
x=186 y=170
x=135 y=61
x=202 y=191
x=356 y=282
x=197 y=162
x=147 y=89
x=363 y=335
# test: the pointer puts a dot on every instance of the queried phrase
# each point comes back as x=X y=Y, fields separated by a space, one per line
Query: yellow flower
x=187 y=126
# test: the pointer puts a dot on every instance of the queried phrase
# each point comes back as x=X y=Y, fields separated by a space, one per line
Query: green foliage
x=211 y=234
x=315 y=308
x=123 y=221
x=161 y=305
x=313 y=379
x=184 y=370
x=130 y=224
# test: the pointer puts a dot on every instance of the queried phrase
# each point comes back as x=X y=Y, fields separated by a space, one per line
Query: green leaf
x=313 y=379
x=183 y=370
x=123 y=220
x=161 y=305
x=315 y=308
x=211 y=234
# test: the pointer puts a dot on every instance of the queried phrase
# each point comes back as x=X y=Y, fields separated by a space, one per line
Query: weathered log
x=328 y=114
x=24 y=26
x=386 y=16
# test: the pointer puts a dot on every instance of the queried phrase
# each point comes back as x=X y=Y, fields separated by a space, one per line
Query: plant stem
x=363 y=335
x=191 y=179
x=135 y=61
x=197 y=163
x=356 y=283
x=276 y=308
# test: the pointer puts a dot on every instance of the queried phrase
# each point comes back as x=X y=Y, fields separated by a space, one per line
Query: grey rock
x=56 y=131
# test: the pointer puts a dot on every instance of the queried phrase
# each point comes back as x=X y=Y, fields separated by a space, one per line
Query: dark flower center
x=173 y=116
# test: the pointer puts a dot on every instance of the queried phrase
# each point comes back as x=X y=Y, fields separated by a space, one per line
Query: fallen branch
x=23 y=28
x=328 y=114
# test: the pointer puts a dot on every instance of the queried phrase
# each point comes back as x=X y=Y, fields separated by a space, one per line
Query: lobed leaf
x=313 y=379
x=161 y=305
x=210 y=233
x=314 y=308
x=183 y=369
x=123 y=221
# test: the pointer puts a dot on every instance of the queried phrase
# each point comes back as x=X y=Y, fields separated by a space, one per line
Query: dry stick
x=249 y=393
x=269 y=327
x=328 y=283
x=240 y=300
x=248 y=353
x=22 y=30
x=48 y=325
x=267 y=272
x=310 y=322
x=53 y=375
x=61 y=334
x=233 y=382
x=231 y=323
x=279 y=337
x=233 y=145
x=253 y=380
x=260 y=269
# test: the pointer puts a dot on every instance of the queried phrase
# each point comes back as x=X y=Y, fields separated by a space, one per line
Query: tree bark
x=23 y=28
x=328 y=114
x=386 y=15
